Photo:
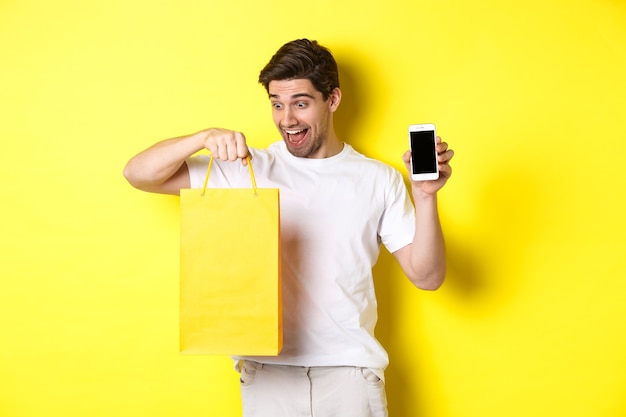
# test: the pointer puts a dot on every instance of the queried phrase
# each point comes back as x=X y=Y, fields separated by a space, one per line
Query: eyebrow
x=295 y=96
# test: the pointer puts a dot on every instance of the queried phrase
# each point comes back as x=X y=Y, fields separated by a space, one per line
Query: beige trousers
x=293 y=391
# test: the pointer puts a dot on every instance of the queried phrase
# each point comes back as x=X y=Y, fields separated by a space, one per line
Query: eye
x=301 y=104
x=277 y=106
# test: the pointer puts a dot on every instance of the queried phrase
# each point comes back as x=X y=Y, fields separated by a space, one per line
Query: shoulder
x=371 y=166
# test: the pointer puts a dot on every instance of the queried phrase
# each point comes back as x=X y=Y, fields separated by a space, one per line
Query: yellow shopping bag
x=230 y=277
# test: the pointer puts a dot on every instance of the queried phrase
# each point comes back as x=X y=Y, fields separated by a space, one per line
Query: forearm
x=428 y=253
x=155 y=165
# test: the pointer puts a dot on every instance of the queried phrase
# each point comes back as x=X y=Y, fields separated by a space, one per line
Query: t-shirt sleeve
x=197 y=167
x=397 y=224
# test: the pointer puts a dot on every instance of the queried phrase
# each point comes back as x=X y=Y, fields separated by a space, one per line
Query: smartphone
x=422 y=141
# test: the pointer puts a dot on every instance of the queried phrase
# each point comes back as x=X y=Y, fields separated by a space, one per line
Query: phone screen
x=423 y=152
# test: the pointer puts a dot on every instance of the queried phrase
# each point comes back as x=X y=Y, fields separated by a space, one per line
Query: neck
x=333 y=145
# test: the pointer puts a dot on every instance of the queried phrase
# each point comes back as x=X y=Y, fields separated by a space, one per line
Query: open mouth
x=296 y=136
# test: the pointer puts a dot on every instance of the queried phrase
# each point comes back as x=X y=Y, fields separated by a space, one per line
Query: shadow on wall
x=488 y=259
x=487 y=264
x=355 y=75
x=350 y=109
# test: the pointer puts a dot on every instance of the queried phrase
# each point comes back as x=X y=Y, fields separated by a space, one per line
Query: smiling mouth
x=295 y=136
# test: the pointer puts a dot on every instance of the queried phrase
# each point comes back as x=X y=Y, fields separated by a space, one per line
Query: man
x=337 y=206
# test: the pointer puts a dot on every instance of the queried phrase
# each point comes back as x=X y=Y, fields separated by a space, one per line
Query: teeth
x=294 y=132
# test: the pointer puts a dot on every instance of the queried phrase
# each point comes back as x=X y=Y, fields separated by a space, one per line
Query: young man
x=336 y=207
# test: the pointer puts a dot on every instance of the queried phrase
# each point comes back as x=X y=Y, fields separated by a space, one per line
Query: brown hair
x=304 y=59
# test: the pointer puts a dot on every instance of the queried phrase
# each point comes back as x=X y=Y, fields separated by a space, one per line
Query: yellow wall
x=531 y=95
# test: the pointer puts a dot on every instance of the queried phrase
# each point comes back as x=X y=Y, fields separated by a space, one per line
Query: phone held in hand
x=422 y=141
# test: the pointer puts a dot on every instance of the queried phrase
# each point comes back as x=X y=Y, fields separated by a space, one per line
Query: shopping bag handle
x=208 y=171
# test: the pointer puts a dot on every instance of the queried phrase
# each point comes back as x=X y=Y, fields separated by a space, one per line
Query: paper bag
x=230 y=277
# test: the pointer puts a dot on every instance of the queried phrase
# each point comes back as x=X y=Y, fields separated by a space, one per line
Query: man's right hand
x=227 y=145
x=161 y=168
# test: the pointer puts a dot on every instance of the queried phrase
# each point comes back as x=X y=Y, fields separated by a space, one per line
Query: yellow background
x=531 y=95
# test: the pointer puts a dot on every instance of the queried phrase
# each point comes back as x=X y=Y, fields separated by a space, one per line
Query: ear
x=334 y=99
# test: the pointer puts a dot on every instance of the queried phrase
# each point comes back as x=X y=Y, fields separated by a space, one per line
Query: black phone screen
x=423 y=155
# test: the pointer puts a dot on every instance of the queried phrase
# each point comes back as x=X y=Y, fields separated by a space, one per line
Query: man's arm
x=424 y=260
x=161 y=168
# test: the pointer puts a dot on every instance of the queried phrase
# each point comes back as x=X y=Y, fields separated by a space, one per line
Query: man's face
x=302 y=116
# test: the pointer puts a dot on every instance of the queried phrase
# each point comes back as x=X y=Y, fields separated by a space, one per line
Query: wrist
x=420 y=195
x=199 y=139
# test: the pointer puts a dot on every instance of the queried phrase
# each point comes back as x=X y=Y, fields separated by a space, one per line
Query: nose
x=289 y=118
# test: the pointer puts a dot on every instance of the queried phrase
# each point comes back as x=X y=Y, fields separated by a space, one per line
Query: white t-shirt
x=334 y=213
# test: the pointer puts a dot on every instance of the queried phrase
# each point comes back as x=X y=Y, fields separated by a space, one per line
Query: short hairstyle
x=303 y=59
